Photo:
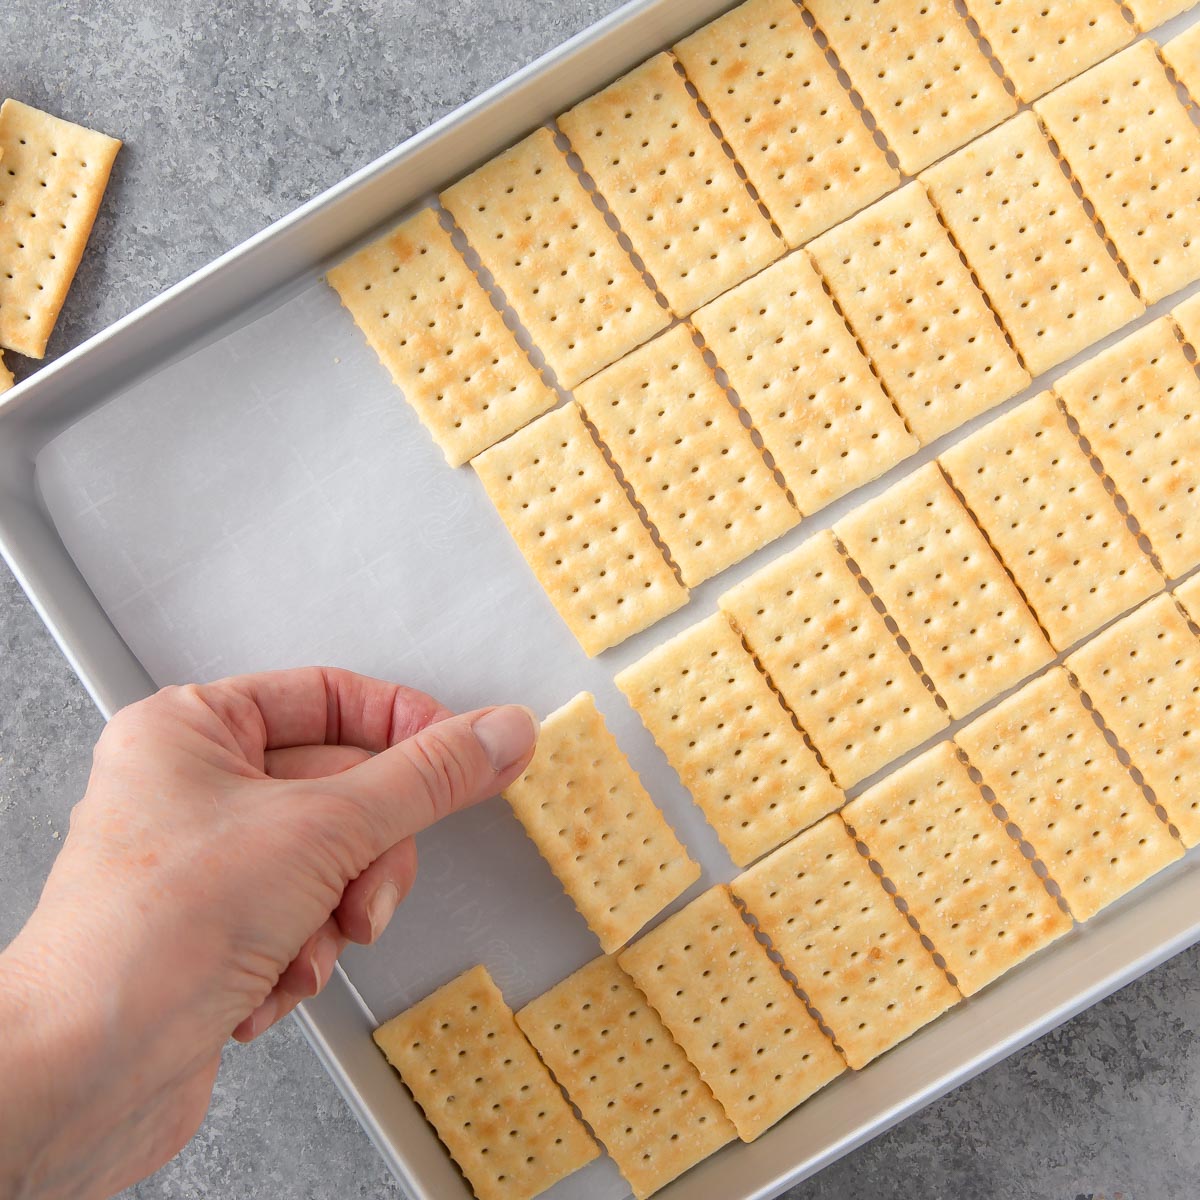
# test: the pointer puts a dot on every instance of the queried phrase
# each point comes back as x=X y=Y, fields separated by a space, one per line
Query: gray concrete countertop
x=233 y=112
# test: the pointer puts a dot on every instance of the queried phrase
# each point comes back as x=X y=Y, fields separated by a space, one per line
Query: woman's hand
x=233 y=837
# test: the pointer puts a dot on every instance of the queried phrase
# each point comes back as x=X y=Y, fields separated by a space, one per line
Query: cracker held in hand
x=1138 y=405
x=853 y=952
x=729 y=738
x=668 y=180
x=792 y=125
x=921 y=72
x=1060 y=782
x=972 y=891
x=920 y=317
x=1047 y=514
x=578 y=530
x=52 y=178
x=585 y=809
x=483 y=1088
x=633 y=1084
x=1143 y=677
x=562 y=269
x=725 y=1002
x=683 y=449
x=834 y=660
x=809 y=390
x=434 y=328
x=953 y=601
x=1134 y=149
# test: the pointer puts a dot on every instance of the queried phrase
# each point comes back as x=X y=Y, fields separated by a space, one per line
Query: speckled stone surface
x=235 y=111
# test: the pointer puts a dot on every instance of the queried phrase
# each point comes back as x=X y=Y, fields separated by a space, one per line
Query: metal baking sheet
x=227 y=481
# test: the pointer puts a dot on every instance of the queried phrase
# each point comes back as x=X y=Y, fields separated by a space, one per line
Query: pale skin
x=233 y=838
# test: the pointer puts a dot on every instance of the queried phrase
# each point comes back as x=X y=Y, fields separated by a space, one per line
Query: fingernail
x=324 y=955
x=381 y=907
x=506 y=735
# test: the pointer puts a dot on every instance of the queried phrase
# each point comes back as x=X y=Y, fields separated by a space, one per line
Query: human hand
x=233 y=837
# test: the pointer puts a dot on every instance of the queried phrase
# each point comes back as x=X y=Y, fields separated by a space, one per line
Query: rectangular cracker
x=683 y=449
x=1047 y=514
x=1133 y=148
x=855 y=955
x=925 y=558
x=483 y=1088
x=736 y=1017
x=792 y=125
x=432 y=325
x=666 y=177
x=1041 y=44
x=51 y=183
x=1031 y=244
x=576 y=527
x=924 y=323
x=585 y=809
x=1060 y=782
x=972 y=891
x=562 y=269
x=922 y=74
x=729 y=739
x=834 y=660
x=809 y=390
x=1187 y=317
x=633 y=1084
x=6 y=378
x=1138 y=405
x=1143 y=676
x=1182 y=55
x=1150 y=13
x=1188 y=594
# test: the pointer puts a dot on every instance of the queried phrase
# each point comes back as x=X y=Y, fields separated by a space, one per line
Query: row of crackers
x=692 y=1036
x=839 y=360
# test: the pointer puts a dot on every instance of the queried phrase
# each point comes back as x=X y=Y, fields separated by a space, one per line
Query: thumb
x=447 y=766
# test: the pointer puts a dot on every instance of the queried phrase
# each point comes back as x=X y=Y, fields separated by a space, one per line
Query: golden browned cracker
x=1134 y=150
x=1063 y=786
x=793 y=127
x=483 y=1088
x=585 y=809
x=834 y=660
x=1143 y=676
x=1138 y=405
x=683 y=449
x=808 y=389
x=736 y=1017
x=1040 y=43
x=853 y=952
x=1031 y=244
x=51 y=183
x=561 y=268
x=953 y=601
x=577 y=529
x=1182 y=54
x=973 y=892
x=1047 y=514
x=922 y=74
x=432 y=325
x=633 y=1084
x=676 y=193
x=1150 y=13
x=729 y=738
x=1188 y=594
x=1187 y=317
x=922 y=320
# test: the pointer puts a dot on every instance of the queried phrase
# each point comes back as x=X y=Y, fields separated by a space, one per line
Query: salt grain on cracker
x=852 y=951
x=52 y=179
x=683 y=449
x=736 y=1017
x=578 y=530
x=585 y=809
x=801 y=377
x=633 y=1084
x=729 y=738
x=432 y=325
x=793 y=127
x=483 y=1088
